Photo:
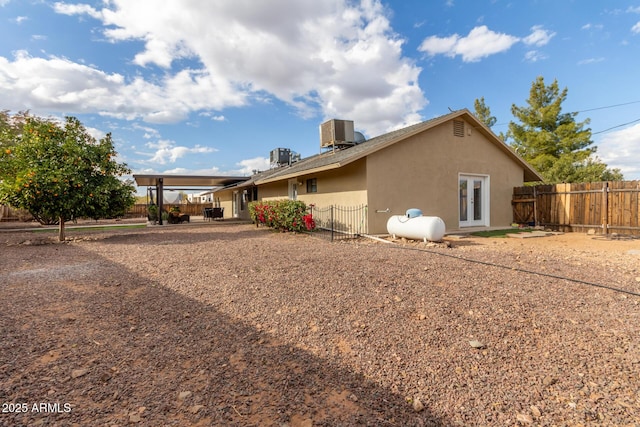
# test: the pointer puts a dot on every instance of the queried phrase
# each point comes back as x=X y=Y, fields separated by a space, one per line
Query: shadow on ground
x=134 y=352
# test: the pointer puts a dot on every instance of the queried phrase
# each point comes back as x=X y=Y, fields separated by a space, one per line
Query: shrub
x=284 y=215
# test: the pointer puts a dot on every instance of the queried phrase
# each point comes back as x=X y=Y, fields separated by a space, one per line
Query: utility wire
x=614 y=127
x=608 y=106
x=599 y=108
x=521 y=270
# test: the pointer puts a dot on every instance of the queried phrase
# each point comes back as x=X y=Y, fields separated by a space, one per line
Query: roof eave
x=296 y=174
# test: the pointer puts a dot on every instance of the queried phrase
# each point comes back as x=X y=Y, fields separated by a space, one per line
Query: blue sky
x=211 y=87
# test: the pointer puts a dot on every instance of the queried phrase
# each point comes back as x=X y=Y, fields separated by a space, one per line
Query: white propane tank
x=425 y=228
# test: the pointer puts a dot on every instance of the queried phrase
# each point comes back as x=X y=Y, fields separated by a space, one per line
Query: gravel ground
x=227 y=324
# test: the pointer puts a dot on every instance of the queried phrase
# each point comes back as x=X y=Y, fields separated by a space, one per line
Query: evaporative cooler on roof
x=336 y=133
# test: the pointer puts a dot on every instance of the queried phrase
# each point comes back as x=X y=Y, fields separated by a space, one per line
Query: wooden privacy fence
x=7 y=214
x=607 y=207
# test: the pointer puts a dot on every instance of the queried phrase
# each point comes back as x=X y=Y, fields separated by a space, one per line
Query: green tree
x=58 y=172
x=552 y=141
x=483 y=112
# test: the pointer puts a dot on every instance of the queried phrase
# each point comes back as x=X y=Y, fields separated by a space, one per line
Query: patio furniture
x=207 y=214
x=217 y=213
x=178 y=218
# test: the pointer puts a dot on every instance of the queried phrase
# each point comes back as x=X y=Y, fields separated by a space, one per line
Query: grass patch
x=501 y=233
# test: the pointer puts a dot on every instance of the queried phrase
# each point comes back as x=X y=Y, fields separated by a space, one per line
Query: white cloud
x=321 y=57
x=76 y=9
x=621 y=149
x=636 y=28
x=590 y=26
x=482 y=42
x=149 y=132
x=168 y=152
x=479 y=43
x=538 y=37
x=434 y=45
x=214 y=117
x=534 y=56
x=60 y=85
x=249 y=165
x=590 y=61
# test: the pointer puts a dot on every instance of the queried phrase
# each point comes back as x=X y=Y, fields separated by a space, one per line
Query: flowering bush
x=309 y=223
x=284 y=215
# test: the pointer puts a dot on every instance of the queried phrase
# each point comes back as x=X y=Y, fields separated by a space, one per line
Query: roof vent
x=335 y=133
x=458 y=128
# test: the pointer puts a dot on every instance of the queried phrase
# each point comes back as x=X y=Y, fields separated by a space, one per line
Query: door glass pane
x=477 y=200
x=293 y=190
x=234 y=203
x=463 y=199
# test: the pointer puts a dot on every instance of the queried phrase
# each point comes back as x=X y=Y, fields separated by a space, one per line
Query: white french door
x=473 y=196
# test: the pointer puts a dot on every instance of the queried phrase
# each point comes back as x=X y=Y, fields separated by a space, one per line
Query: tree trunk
x=61 y=235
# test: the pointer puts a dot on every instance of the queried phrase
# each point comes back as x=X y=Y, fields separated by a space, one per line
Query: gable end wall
x=422 y=172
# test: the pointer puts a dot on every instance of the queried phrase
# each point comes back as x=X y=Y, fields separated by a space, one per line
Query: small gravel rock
x=476 y=344
x=535 y=411
x=524 y=419
x=417 y=405
x=77 y=373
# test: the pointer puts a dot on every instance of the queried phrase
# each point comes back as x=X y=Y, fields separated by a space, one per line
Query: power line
x=614 y=127
x=600 y=108
x=608 y=106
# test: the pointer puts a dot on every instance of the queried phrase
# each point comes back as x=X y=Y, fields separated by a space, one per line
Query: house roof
x=339 y=158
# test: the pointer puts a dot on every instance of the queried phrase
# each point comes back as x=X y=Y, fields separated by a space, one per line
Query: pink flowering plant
x=283 y=215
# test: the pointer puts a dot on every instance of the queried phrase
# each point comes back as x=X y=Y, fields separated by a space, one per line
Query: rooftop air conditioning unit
x=336 y=132
x=279 y=156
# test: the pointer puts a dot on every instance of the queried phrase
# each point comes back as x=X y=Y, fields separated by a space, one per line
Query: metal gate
x=339 y=222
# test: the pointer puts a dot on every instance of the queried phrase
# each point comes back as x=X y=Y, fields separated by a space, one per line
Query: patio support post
x=159 y=196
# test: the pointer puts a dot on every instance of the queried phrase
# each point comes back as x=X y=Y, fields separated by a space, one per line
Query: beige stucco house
x=452 y=167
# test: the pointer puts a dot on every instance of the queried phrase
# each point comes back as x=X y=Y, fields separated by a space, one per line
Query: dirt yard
x=225 y=324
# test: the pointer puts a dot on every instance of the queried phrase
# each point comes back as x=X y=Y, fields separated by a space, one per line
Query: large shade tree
x=552 y=141
x=58 y=172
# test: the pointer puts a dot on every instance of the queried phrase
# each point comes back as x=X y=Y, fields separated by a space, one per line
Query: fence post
x=535 y=206
x=331 y=221
x=605 y=203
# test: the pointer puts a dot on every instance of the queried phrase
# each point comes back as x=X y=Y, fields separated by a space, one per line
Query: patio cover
x=163 y=181
x=187 y=180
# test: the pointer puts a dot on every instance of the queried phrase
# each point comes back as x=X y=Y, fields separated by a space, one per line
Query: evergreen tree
x=552 y=141
x=483 y=112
